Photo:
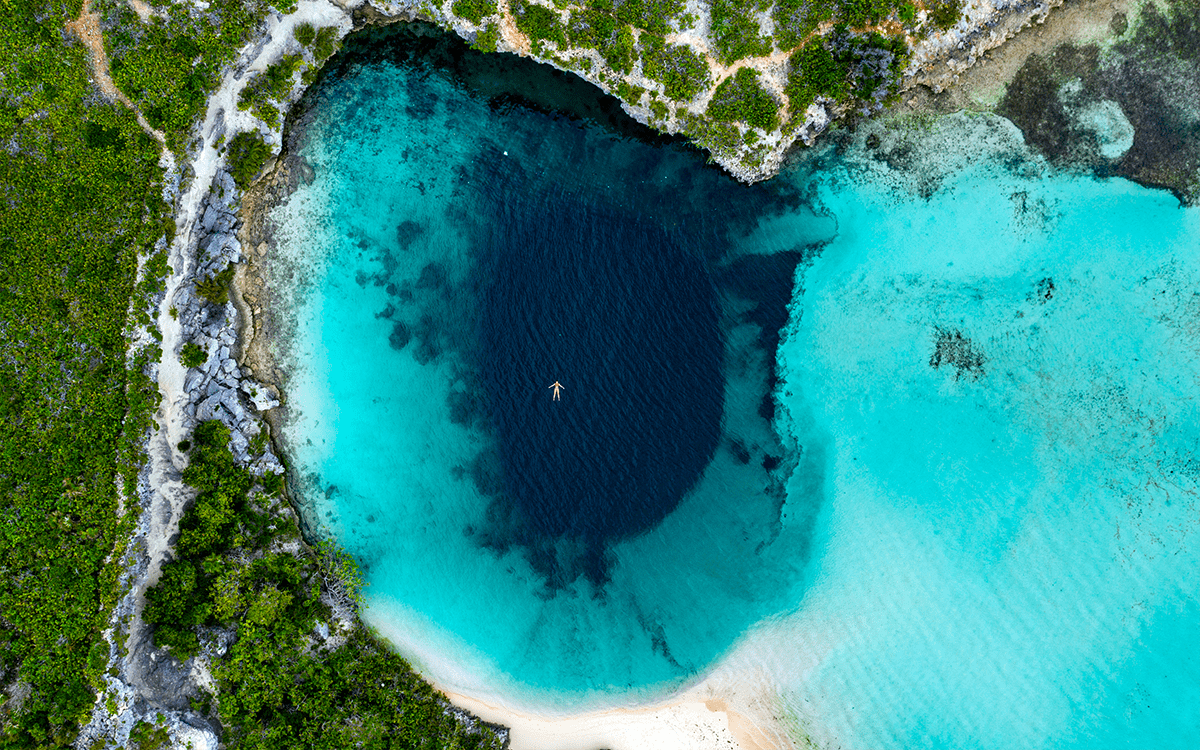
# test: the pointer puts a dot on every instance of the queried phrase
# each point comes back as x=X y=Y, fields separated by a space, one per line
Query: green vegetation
x=683 y=73
x=815 y=72
x=325 y=43
x=305 y=33
x=246 y=156
x=146 y=736
x=796 y=19
x=859 y=13
x=741 y=97
x=607 y=35
x=630 y=93
x=659 y=109
x=280 y=684
x=720 y=138
x=538 y=22
x=474 y=10
x=272 y=85
x=81 y=187
x=215 y=288
x=168 y=67
x=652 y=15
x=488 y=38
x=945 y=13
x=191 y=355
x=736 y=32
x=863 y=68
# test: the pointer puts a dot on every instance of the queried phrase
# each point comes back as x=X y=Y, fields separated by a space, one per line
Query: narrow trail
x=87 y=29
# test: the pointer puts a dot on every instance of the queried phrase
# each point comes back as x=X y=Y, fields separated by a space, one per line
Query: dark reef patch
x=952 y=349
x=1152 y=73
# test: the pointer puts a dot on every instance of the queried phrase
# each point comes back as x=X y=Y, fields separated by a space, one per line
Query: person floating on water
x=557 y=387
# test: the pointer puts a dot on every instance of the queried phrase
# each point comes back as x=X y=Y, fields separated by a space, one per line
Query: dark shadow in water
x=613 y=307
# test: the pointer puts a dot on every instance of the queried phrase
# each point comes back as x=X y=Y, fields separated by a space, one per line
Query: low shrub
x=191 y=355
x=736 y=33
x=215 y=288
x=683 y=73
x=325 y=43
x=538 y=22
x=814 y=71
x=850 y=67
x=945 y=13
x=652 y=15
x=304 y=33
x=742 y=98
x=858 y=13
x=488 y=38
x=795 y=20
x=607 y=35
x=245 y=157
x=474 y=10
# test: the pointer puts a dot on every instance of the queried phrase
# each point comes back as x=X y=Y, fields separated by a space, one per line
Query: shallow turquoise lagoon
x=908 y=433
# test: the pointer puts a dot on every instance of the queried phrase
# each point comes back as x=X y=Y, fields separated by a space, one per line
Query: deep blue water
x=897 y=446
x=627 y=315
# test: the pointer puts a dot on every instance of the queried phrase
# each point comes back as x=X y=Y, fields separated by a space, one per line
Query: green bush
x=856 y=70
x=272 y=484
x=606 y=34
x=945 y=13
x=652 y=15
x=215 y=288
x=720 y=138
x=858 y=13
x=741 y=97
x=192 y=355
x=630 y=93
x=683 y=73
x=538 y=22
x=736 y=33
x=488 y=38
x=813 y=72
x=245 y=157
x=795 y=20
x=273 y=84
x=659 y=109
x=305 y=33
x=146 y=736
x=325 y=43
x=474 y=10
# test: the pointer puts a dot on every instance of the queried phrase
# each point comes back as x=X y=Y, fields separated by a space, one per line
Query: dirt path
x=87 y=29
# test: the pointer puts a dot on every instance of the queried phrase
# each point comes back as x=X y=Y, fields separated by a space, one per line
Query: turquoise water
x=907 y=432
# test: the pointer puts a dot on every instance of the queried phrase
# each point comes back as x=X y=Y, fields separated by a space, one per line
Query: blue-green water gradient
x=956 y=507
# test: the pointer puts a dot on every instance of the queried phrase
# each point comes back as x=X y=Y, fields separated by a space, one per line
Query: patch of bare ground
x=86 y=28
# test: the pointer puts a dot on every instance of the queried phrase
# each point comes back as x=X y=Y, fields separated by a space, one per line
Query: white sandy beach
x=688 y=722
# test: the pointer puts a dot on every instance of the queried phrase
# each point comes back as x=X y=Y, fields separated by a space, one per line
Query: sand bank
x=688 y=722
